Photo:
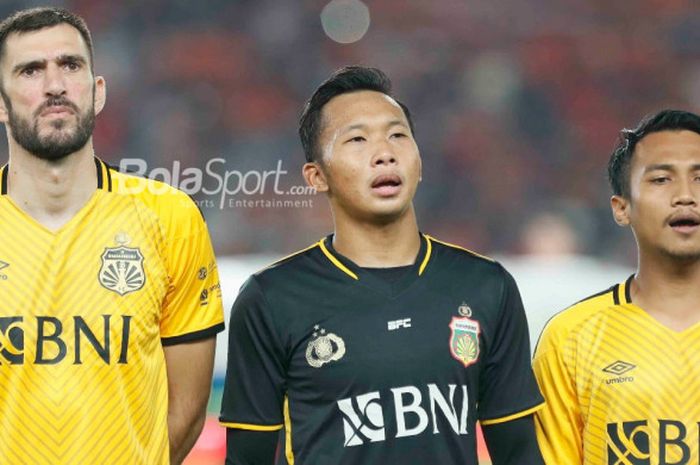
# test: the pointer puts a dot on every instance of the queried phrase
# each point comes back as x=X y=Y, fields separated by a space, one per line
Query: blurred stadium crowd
x=517 y=104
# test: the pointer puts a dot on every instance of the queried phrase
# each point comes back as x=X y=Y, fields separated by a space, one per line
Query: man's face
x=48 y=91
x=663 y=206
x=370 y=159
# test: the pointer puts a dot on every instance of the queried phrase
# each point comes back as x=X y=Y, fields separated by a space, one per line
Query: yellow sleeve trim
x=250 y=427
x=288 y=451
x=454 y=246
x=335 y=261
x=495 y=421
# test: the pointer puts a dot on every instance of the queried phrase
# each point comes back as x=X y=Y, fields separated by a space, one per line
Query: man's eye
x=29 y=71
x=660 y=180
x=399 y=134
x=356 y=139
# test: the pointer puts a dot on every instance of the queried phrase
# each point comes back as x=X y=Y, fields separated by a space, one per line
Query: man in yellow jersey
x=620 y=371
x=109 y=293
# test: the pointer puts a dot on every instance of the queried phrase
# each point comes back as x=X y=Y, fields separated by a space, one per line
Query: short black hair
x=342 y=81
x=621 y=157
x=34 y=19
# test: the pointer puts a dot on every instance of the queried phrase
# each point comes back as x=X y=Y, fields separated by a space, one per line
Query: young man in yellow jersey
x=620 y=371
x=109 y=294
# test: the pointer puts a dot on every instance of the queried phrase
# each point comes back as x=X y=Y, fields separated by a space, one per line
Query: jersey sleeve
x=253 y=397
x=192 y=309
x=559 y=425
x=508 y=389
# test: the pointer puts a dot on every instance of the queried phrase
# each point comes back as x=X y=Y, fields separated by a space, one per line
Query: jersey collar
x=351 y=270
x=104 y=177
x=3 y=179
x=621 y=292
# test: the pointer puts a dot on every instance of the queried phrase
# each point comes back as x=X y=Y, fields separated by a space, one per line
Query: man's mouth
x=387 y=185
x=57 y=110
x=685 y=223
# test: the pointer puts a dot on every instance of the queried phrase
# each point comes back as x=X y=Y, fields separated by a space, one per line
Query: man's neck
x=52 y=192
x=373 y=245
x=669 y=290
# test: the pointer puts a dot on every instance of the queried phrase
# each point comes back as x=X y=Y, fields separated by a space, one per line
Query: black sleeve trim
x=616 y=294
x=194 y=336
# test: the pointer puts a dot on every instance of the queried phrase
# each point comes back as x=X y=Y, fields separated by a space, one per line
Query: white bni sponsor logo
x=396 y=324
x=364 y=421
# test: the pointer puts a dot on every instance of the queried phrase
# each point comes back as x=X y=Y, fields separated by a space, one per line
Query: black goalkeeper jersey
x=362 y=370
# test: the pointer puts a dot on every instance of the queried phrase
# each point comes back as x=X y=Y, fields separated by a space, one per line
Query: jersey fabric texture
x=362 y=370
x=84 y=313
x=621 y=388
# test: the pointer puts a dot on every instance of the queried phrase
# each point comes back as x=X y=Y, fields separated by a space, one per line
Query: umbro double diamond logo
x=3 y=265
x=619 y=368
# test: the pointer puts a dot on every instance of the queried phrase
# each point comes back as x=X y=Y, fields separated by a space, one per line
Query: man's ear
x=620 y=210
x=4 y=112
x=314 y=176
x=100 y=94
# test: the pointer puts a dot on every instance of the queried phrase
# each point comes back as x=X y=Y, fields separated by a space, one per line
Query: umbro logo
x=3 y=265
x=619 y=368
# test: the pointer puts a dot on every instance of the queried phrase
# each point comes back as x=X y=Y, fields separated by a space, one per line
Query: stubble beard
x=62 y=141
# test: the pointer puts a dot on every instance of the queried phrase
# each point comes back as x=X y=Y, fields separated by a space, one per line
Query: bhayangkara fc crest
x=464 y=340
x=324 y=348
x=122 y=269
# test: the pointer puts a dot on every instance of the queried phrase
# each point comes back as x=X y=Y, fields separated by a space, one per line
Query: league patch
x=122 y=267
x=464 y=340
x=324 y=348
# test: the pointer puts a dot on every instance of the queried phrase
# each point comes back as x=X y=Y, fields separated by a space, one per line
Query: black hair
x=343 y=81
x=621 y=157
x=34 y=19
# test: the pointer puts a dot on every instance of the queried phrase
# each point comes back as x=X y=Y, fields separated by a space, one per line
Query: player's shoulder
x=171 y=205
x=293 y=264
x=567 y=321
x=452 y=255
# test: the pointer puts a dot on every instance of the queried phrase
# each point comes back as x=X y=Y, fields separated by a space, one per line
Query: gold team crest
x=464 y=339
x=122 y=267
x=324 y=348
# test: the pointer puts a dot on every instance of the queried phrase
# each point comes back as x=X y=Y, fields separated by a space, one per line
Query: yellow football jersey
x=84 y=313
x=620 y=387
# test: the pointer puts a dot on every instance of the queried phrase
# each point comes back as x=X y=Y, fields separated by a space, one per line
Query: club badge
x=464 y=337
x=324 y=348
x=122 y=267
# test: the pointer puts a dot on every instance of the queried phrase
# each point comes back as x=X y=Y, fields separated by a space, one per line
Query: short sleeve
x=192 y=309
x=254 y=389
x=508 y=389
x=559 y=425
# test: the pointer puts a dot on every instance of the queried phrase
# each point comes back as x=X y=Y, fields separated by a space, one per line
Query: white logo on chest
x=397 y=324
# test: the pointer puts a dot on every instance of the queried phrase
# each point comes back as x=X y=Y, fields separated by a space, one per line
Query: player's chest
x=655 y=372
x=372 y=340
x=104 y=265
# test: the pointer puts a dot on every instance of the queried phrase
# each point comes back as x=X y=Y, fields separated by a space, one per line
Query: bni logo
x=12 y=340
x=628 y=443
x=412 y=410
x=364 y=419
